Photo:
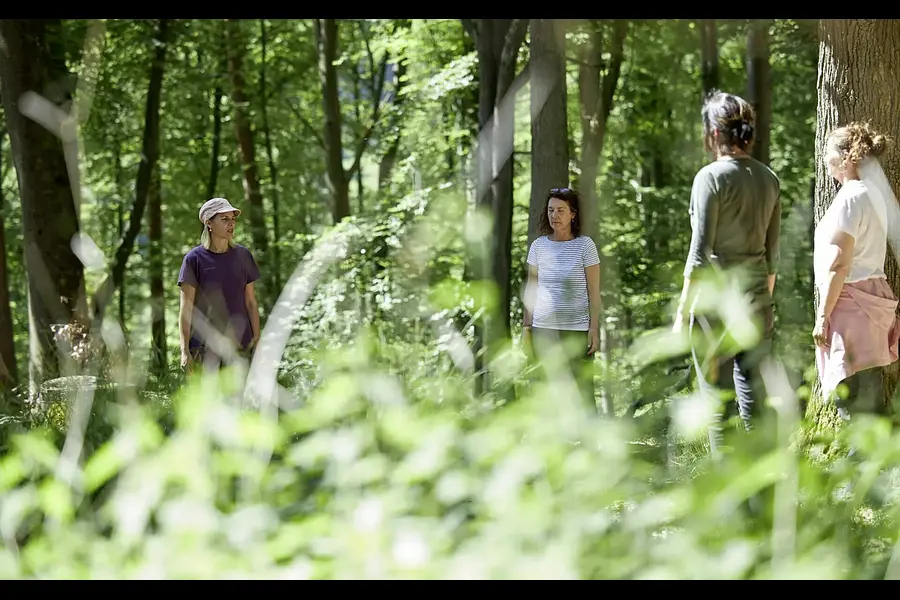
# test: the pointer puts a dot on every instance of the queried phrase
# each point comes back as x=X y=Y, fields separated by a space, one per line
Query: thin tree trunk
x=709 y=55
x=9 y=373
x=216 y=143
x=390 y=157
x=157 y=289
x=338 y=182
x=149 y=157
x=273 y=170
x=597 y=94
x=759 y=85
x=244 y=133
x=120 y=222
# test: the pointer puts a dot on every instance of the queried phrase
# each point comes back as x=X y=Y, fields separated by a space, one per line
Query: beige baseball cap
x=214 y=206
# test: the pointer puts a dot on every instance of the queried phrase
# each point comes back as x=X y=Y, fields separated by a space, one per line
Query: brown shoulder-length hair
x=732 y=117
x=573 y=199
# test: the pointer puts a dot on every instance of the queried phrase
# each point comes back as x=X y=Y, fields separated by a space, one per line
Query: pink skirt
x=862 y=332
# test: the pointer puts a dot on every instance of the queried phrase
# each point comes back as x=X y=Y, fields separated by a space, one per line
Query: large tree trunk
x=859 y=66
x=9 y=374
x=56 y=291
x=549 y=125
x=759 y=86
x=497 y=42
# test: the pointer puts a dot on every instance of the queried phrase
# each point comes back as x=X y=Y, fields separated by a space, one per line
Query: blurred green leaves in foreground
x=372 y=478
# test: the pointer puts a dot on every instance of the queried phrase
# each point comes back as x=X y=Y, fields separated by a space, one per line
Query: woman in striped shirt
x=562 y=294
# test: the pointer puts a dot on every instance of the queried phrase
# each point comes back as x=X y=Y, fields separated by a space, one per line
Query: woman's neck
x=218 y=245
x=562 y=237
x=732 y=152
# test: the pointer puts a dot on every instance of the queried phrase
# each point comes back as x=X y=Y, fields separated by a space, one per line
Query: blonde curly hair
x=854 y=142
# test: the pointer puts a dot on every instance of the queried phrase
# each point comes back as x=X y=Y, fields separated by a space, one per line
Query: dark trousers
x=564 y=353
x=718 y=370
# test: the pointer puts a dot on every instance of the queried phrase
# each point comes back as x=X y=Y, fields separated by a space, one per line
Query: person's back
x=740 y=197
x=735 y=228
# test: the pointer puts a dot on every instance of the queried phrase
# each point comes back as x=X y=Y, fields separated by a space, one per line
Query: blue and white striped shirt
x=562 y=300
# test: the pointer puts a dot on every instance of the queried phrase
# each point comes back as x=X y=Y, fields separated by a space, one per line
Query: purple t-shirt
x=220 y=280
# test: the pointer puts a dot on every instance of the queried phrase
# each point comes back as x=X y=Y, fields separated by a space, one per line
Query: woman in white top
x=856 y=330
x=562 y=294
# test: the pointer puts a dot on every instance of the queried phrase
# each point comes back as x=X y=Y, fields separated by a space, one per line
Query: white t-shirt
x=562 y=300
x=861 y=215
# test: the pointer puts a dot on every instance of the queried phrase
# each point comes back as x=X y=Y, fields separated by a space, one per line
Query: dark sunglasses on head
x=560 y=190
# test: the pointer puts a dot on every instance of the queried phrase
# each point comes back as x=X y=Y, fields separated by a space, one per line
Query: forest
x=390 y=175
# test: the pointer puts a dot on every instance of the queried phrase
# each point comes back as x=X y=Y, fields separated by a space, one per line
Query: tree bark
x=497 y=43
x=338 y=182
x=157 y=289
x=244 y=133
x=270 y=158
x=9 y=373
x=55 y=274
x=549 y=123
x=759 y=85
x=859 y=66
x=596 y=94
x=709 y=55
x=338 y=178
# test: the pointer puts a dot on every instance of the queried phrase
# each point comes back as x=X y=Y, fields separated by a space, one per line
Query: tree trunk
x=709 y=55
x=859 y=65
x=759 y=85
x=149 y=157
x=338 y=182
x=497 y=42
x=157 y=289
x=120 y=221
x=244 y=132
x=270 y=157
x=56 y=292
x=216 y=143
x=596 y=94
x=9 y=373
x=390 y=157
x=549 y=123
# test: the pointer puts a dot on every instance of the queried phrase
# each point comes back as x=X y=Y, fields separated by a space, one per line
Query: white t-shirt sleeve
x=533 y=253
x=849 y=217
x=589 y=253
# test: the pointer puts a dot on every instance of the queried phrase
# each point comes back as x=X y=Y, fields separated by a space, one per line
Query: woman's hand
x=818 y=332
x=527 y=348
x=593 y=340
x=186 y=361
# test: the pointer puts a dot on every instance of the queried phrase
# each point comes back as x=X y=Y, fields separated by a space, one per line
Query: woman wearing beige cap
x=219 y=317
